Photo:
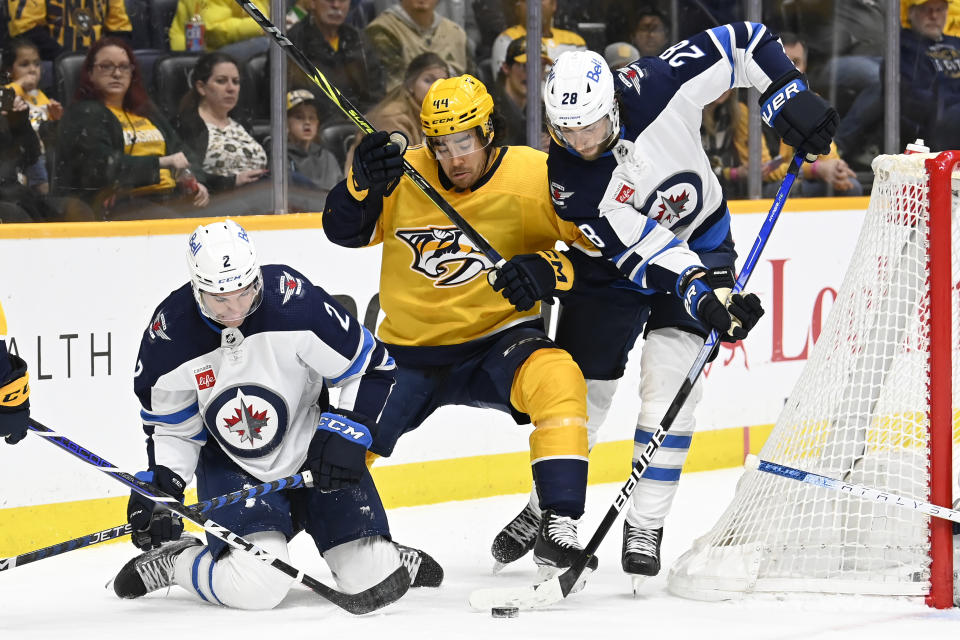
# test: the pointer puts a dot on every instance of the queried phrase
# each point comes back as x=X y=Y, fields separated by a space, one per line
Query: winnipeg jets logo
x=671 y=207
x=290 y=287
x=249 y=420
x=558 y=194
x=158 y=327
x=675 y=202
x=444 y=255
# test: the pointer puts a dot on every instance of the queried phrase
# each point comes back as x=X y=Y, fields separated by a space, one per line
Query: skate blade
x=638 y=580
x=498 y=566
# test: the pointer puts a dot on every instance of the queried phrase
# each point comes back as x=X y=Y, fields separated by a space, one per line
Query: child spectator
x=21 y=62
x=313 y=169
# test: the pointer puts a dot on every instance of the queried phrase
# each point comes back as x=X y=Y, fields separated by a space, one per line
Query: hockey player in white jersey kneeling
x=232 y=376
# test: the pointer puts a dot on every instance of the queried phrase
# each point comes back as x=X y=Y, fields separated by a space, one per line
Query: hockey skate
x=641 y=553
x=152 y=569
x=516 y=539
x=557 y=546
x=423 y=569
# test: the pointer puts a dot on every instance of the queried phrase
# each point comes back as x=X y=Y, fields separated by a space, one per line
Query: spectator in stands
x=844 y=41
x=313 y=169
x=828 y=172
x=510 y=96
x=344 y=55
x=929 y=86
x=19 y=150
x=115 y=151
x=620 y=54
x=411 y=27
x=67 y=25
x=21 y=63
x=724 y=124
x=400 y=108
x=228 y=28
x=227 y=153
x=650 y=32
x=556 y=40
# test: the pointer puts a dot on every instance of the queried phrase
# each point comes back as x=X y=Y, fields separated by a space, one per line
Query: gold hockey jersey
x=433 y=281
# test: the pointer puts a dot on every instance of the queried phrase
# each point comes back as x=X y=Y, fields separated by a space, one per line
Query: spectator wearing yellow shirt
x=56 y=26
x=555 y=40
x=228 y=27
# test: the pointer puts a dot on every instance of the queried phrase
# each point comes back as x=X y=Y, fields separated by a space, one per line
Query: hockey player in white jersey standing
x=627 y=166
x=232 y=377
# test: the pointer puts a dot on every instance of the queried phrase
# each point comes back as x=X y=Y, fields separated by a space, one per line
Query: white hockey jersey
x=659 y=168
x=259 y=389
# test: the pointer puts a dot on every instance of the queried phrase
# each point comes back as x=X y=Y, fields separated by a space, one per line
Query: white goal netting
x=858 y=413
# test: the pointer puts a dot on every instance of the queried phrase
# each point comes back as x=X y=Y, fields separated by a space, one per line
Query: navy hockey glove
x=803 y=119
x=378 y=162
x=152 y=524
x=15 y=402
x=529 y=277
x=703 y=298
x=337 y=456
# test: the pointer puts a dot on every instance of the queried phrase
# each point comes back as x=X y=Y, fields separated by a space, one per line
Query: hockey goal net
x=875 y=405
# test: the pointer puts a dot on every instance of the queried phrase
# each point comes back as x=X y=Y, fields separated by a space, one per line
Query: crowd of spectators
x=96 y=124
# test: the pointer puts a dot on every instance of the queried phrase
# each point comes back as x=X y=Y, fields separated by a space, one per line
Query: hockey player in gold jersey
x=455 y=340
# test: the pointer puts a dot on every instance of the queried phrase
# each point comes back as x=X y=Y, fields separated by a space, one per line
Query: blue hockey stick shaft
x=379 y=595
x=867 y=493
x=290 y=482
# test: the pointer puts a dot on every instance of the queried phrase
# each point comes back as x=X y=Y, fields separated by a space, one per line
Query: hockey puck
x=505 y=612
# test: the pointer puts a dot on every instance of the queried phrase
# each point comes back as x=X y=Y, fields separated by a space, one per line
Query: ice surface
x=63 y=598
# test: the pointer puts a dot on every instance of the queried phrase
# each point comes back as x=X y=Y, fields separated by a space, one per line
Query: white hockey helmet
x=578 y=93
x=222 y=259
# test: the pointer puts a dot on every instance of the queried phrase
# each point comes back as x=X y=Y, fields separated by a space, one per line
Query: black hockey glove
x=803 y=119
x=337 y=456
x=15 y=402
x=529 y=277
x=378 y=163
x=705 y=296
x=152 y=524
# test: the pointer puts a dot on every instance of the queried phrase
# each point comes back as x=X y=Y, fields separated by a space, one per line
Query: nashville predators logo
x=444 y=255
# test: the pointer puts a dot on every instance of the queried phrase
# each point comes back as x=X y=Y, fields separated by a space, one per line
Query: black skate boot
x=152 y=569
x=557 y=547
x=641 y=553
x=516 y=539
x=424 y=570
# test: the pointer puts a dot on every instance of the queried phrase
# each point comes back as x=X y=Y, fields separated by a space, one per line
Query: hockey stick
x=290 y=482
x=559 y=587
x=376 y=597
x=867 y=493
x=338 y=99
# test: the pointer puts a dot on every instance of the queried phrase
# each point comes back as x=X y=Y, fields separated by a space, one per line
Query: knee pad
x=237 y=579
x=359 y=564
x=558 y=438
x=549 y=384
x=665 y=362
x=599 y=398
